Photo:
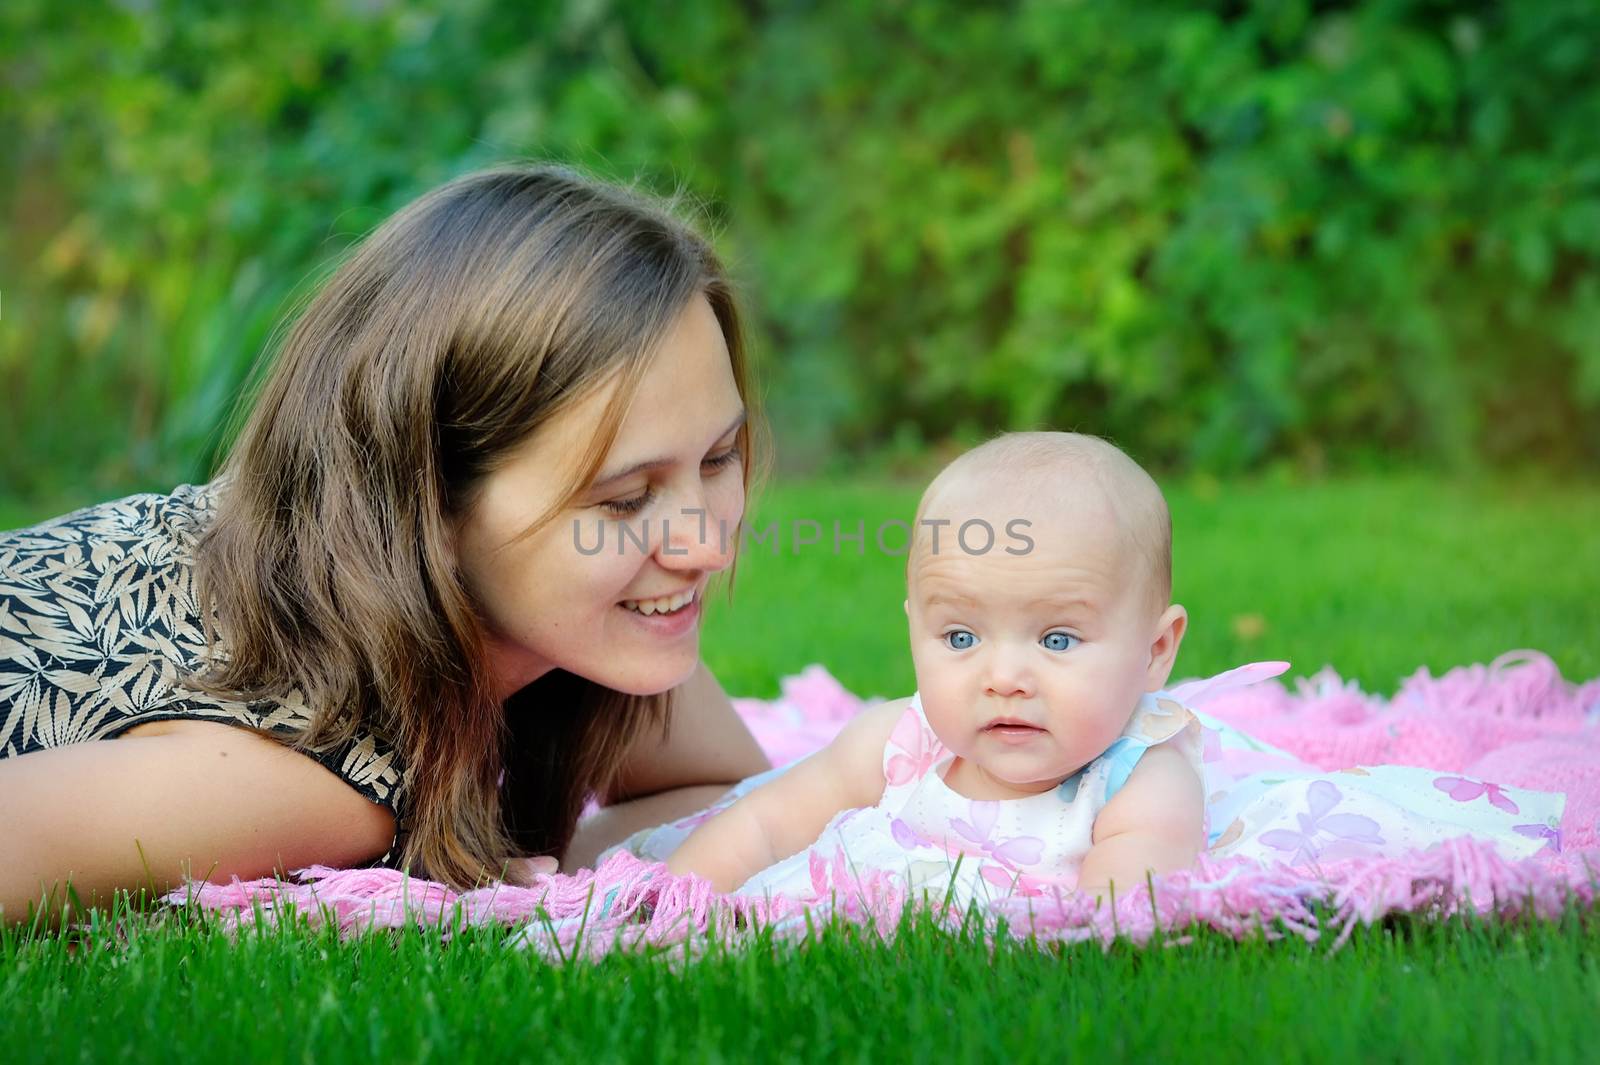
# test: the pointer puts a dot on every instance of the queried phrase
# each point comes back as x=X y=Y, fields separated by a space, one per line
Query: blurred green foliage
x=1225 y=234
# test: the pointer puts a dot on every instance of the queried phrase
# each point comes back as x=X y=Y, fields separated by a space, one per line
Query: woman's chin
x=659 y=674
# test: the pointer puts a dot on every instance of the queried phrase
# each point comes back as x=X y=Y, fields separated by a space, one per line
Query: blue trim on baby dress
x=1124 y=753
x=1121 y=757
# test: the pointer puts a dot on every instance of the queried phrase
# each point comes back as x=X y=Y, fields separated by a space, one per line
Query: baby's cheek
x=945 y=717
x=1095 y=733
x=938 y=675
x=920 y=665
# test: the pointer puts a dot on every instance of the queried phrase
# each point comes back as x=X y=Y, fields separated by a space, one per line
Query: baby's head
x=1031 y=655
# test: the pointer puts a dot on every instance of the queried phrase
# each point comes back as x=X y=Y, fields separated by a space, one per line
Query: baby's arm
x=787 y=814
x=1155 y=824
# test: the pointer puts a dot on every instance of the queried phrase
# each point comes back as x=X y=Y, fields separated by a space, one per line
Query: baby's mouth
x=1010 y=728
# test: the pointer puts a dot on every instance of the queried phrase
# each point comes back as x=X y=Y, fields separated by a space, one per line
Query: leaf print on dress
x=1161 y=720
x=908 y=838
x=60 y=722
x=98 y=622
x=1229 y=836
x=1463 y=790
x=1350 y=834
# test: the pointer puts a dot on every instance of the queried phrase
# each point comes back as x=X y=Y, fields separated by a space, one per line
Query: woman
x=383 y=633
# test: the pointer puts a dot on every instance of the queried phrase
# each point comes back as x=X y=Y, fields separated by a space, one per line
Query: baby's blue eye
x=1057 y=641
x=960 y=639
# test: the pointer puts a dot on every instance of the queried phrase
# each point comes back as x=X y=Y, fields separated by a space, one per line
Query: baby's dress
x=1266 y=804
x=942 y=842
x=1262 y=803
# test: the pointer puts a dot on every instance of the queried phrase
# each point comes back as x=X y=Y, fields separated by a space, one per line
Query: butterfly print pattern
x=1463 y=790
x=1323 y=833
x=915 y=749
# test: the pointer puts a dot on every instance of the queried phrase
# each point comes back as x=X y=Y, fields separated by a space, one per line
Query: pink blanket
x=1515 y=722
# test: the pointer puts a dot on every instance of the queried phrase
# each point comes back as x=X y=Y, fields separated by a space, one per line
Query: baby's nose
x=1008 y=675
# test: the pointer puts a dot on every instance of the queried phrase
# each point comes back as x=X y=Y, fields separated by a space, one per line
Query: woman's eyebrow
x=656 y=464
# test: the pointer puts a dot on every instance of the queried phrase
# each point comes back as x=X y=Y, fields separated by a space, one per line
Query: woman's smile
x=663 y=604
x=668 y=616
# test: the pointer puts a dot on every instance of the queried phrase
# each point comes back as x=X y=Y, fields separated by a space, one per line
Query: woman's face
x=612 y=589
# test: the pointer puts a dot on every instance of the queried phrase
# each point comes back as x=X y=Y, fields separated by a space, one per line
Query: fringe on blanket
x=627 y=903
x=1518 y=699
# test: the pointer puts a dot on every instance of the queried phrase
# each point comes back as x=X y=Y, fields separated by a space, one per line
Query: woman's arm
x=706 y=750
x=206 y=801
x=706 y=742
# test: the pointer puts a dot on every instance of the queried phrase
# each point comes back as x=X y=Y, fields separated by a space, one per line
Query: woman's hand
x=525 y=869
x=706 y=751
x=708 y=743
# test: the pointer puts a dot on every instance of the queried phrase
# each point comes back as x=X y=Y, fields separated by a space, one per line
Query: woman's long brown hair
x=455 y=330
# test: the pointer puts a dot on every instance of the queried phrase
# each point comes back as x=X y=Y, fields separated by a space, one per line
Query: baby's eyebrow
x=1060 y=602
x=951 y=599
x=1063 y=602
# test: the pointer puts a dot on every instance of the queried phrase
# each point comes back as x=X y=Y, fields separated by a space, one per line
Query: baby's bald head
x=1054 y=473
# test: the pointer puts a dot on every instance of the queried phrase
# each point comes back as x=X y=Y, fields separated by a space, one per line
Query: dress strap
x=1158 y=719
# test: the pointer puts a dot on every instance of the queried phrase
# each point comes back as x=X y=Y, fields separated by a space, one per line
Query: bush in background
x=1225 y=234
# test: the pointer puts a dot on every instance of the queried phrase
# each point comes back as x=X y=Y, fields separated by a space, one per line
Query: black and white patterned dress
x=98 y=623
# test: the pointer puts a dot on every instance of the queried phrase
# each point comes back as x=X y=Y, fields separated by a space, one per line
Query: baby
x=1034 y=747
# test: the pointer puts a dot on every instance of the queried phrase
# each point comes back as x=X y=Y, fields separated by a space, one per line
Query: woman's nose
x=694 y=538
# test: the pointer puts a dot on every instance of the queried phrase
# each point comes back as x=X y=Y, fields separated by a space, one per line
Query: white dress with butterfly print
x=941 y=841
x=1262 y=803
x=1265 y=804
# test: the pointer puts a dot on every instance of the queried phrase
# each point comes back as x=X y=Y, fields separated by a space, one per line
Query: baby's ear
x=1170 y=628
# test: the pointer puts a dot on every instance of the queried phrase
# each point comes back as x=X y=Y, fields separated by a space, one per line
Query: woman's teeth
x=660 y=606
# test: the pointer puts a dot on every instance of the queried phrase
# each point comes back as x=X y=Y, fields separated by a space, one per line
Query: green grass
x=1405 y=990
x=1375 y=577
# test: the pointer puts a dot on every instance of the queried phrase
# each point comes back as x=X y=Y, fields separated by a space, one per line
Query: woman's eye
x=959 y=640
x=727 y=458
x=1058 y=641
x=622 y=508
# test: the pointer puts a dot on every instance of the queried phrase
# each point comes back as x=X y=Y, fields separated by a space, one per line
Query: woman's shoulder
x=179 y=516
